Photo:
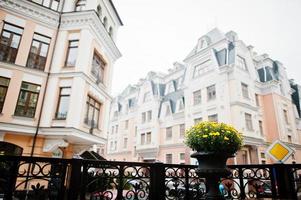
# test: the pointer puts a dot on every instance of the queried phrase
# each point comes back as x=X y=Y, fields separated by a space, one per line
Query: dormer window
x=170 y=88
x=180 y=105
x=80 y=5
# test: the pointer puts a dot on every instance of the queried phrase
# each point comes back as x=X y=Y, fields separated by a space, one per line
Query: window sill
x=59 y=119
x=24 y=118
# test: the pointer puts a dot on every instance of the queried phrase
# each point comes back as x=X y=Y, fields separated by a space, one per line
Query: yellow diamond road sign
x=279 y=151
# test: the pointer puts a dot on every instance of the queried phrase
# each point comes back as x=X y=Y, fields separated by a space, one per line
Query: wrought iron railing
x=50 y=178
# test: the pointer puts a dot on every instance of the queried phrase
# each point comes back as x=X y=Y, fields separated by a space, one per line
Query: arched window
x=99 y=11
x=80 y=5
x=105 y=22
x=111 y=31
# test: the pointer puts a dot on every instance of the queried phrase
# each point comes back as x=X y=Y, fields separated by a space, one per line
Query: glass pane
x=4 y=81
x=2 y=93
x=15 y=41
x=13 y=28
x=63 y=107
x=96 y=117
x=55 y=5
x=46 y=3
x=73 y=43
x=44 y=50
x=5 y=38
x=30 y=87
x=71 y=60
x=35 y=47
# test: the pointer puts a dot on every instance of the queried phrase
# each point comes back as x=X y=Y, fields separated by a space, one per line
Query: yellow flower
x=225 y=138
x=217 y=134
x=205 y=136
x=206 y=129
x=228 y=131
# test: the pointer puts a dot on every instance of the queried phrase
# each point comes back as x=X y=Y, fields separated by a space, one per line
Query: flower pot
x=212 y=166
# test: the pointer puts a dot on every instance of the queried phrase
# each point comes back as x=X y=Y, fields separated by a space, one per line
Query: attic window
x=170 y=88
x=180 y=105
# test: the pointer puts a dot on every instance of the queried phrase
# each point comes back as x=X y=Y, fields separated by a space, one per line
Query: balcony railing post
x=157 y=181
x=284 y=181
x=75 y=179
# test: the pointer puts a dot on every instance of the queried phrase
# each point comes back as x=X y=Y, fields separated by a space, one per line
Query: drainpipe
x=46 y=84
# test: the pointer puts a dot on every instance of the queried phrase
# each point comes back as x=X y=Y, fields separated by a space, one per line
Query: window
x=125 y=143
x=211 y=93
x=168 y=158
x=143 y=117
x=147 y=97
x=38 y=52
x=63 y=103
x=197 y=97
x=92 y=112
x=248 y=120
x=115 y=114
x=257 y=99
x=115 y=145
x=198 y=120
x=99 y=11
x=201 y=68
x=116 y=129
x=182 y=156
x=285 y=116
x=262 y=155
x=105 y=22
x=213 y=118
x=182 y=130
x=289 y=138
x=52 y=4
x=260 y=127
x=148 y=137
x=111 y=31
x=169 y=133
x=149 y=115
x=4 y=82
x=241 y=63
x=80 y=5
x=180 y=104
x=167 y=110
x=71 y=53
x=112 y=130
x=28 y=100
x=98 y=68
x=126 y=124
x=245 y=90
x=244 y=157
x=9 y=42
x=142 y=138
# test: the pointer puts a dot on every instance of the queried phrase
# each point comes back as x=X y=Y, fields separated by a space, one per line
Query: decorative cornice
x=238 y=103
x=32 y=11
x=89 y=18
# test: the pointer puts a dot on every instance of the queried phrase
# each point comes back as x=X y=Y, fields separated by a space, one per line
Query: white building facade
x=222 y=79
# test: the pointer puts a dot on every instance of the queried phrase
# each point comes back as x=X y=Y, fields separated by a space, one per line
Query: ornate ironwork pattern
x=249 y=182
x=296 y=176
x=50 y=178
x=115 y=180
x=181 y=182
x=28 y=178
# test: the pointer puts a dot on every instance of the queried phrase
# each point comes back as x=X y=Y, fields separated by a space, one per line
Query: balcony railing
x=7 y=53
x=50 y=178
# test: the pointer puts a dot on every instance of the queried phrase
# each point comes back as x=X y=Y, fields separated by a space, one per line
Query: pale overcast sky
x=156 y=33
